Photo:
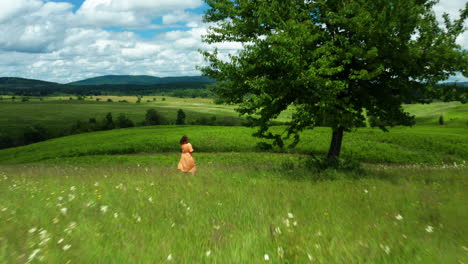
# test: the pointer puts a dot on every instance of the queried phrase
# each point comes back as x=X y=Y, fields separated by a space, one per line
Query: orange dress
x=187 y=163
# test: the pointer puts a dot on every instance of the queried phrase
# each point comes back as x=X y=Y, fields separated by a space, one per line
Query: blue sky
x=69 y=40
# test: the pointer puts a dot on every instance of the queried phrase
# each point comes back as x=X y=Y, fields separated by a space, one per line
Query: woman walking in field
x=186 y=163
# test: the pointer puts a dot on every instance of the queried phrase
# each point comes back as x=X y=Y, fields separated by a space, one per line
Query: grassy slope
x=59 y=112
x=401 y=145
x=455 y=114
x=239 y=199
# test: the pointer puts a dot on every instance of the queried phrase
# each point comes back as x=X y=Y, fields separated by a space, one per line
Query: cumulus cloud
x=130 y=13
x=10 y=9
x=39 y=29
x=47 y=40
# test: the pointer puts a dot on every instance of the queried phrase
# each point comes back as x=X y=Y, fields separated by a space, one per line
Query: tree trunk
x=335 y=145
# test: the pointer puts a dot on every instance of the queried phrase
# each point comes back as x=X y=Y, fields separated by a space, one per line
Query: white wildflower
x=278 y=230
x=465 y=248
x=116 y=215
x=399 y=217
x=295 y=223
x=60 y=198
x=286 y=222
x=73 y=188
x=217 y=227
x=4 y=209
x=66 y=247
x=104 y=208
x=33 y=254
x=150 y=199
x=309 y=256
x=188 y=208
x=63 y=210
x=266 y=257
x=32 y=230
x=280 y=252
x=43 y=234
x=137 y=217
x=317 y=246
x=55 y=220
x=318 y=233
x=70 y=227
x=71 y=197
x=385 y=248
x=96 y=184
x=169 y=258
x=290 y=215
x=366 y=191
x=60 y=241
x=429 y=229
x=208 y=253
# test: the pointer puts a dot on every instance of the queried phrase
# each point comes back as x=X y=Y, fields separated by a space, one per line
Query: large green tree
x=330 y=61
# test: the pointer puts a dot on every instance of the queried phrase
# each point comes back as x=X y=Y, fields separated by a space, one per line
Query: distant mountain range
x=112 y=84
x=123 y=85
x=24 y=82
x=140 y=80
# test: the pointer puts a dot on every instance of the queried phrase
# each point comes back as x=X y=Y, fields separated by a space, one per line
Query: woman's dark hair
x=184 y=140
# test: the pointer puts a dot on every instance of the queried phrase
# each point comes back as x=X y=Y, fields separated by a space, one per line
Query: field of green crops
x=117 y=196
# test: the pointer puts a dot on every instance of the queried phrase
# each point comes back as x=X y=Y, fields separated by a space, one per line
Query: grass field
x=117 y=197
x=60 y=112
x=238 y=208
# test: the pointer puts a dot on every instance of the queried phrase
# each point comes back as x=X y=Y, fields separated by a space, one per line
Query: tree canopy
x=332 y=62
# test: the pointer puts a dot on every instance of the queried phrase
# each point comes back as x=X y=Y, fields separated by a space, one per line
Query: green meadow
x=117 y=196
x=59 y=112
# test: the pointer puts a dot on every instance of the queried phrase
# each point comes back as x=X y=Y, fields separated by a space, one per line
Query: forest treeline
x=443 y=92
x=24 y=87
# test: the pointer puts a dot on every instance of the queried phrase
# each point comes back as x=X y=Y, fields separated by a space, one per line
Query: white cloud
x=36 y=30
x=130 y=13
x=11 y=8
x=190 y=19
x=47 y=40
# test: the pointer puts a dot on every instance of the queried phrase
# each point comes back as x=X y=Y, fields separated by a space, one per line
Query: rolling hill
x=117 y=85
x=140 y=80
x=23 y=81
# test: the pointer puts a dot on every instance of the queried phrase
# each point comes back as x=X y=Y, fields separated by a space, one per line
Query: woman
x=186 y=163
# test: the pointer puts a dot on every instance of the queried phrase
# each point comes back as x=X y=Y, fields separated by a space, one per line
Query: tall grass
x=232 y=211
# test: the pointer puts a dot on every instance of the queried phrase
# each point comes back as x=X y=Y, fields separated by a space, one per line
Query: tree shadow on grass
x=318 y=169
